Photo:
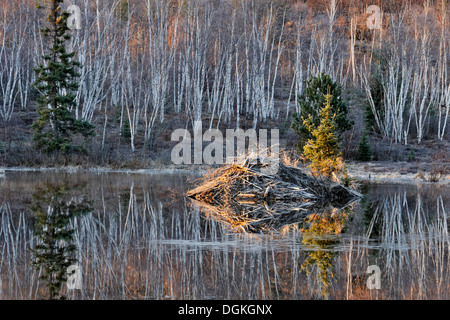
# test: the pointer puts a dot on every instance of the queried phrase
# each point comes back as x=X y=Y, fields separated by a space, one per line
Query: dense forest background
x=152 y=66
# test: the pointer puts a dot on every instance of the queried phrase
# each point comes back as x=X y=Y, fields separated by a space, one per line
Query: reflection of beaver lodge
x=248 y=199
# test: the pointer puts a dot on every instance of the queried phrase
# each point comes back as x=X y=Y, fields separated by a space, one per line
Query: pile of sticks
x=245 y=198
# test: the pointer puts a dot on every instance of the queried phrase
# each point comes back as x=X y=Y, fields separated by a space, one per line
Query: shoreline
x=71 y=169
x=400 y=172
x=361 y=172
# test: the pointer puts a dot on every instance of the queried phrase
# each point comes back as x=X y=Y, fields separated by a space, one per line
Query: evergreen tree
x=412 y=155
x=323 y=148
x=121 y=10
x=125 y=132
x=56 y=83
x=364 y=151
x=312 y=101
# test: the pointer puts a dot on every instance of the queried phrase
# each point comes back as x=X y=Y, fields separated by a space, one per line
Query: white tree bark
x=11 y=69
x=442 y=74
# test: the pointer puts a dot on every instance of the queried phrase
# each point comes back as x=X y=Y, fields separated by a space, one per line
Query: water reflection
x=413 y=244
x=320 y=236
x=140 y=242
x=54 y=207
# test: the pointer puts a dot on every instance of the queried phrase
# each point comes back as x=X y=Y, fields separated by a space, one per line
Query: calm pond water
x=135 y=236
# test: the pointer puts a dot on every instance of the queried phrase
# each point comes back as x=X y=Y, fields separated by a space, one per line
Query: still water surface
x=135 y=236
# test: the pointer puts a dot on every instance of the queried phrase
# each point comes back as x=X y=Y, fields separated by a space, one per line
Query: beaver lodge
x=249 y=200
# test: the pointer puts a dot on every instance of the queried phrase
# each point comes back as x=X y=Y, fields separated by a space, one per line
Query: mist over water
x=135 y=236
